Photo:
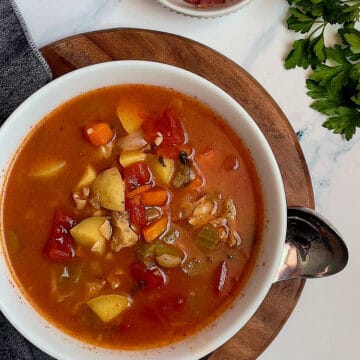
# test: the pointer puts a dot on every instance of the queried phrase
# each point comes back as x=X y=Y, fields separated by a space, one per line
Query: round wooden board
x=136 y=44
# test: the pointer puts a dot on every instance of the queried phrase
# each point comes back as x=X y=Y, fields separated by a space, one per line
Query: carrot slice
x=156 y=197
x=154 y=230
x=99 y=133
x=138 y=191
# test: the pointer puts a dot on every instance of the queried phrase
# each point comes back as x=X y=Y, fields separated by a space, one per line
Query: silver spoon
x=313 y=248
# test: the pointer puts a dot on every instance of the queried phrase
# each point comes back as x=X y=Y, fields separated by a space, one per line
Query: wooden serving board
x=135 y=44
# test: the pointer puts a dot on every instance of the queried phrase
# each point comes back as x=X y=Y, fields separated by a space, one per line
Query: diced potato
x=46 y=169
x=99 y=247
x=108 y=307
x=106 y=230
x=129 y=116
x=109 y=188
x=129 y=157
x=87 y=232
x=87 y=178
x=163 y=171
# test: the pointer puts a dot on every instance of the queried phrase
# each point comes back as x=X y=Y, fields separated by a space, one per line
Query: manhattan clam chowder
x=132 y=216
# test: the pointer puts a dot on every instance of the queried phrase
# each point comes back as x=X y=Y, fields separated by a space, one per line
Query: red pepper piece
x=148 y=278
x=60 y=246
x=136 y=175
x=220 y=277
x=136 y=210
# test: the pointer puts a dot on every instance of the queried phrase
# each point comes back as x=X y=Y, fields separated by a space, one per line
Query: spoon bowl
x=313 y=247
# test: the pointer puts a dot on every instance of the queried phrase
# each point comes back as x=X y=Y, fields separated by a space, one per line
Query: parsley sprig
x=334 y=83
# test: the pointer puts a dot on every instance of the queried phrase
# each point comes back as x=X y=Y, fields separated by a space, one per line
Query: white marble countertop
x=324 y=323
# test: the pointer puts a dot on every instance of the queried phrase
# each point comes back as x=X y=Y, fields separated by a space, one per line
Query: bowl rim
x=150 y=65
x=209 y=13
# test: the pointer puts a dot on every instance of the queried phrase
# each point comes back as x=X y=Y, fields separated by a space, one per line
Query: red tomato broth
x=158 y=316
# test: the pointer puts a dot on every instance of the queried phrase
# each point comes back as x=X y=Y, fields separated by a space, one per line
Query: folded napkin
x=22 y=68
x=22 y=71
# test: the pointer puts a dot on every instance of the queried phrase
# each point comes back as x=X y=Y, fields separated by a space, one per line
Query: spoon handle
x=313 y=247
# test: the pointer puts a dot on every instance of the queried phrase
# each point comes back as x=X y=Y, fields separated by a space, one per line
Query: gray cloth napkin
x=22 y=68
x=22 y=71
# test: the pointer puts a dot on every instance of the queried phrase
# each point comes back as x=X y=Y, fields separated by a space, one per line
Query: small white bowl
x=47 y=337
x=182 y=7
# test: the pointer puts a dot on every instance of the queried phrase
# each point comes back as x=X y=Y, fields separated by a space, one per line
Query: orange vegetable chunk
x=156 y=197
x=99 y=134
x=154 y=230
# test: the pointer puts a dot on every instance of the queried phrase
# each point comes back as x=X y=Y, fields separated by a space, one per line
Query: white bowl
x=185 y=8
x=14 y=304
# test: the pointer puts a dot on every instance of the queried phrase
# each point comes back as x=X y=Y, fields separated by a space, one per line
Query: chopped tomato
x=136 y=210
x=170 y=152
x=220 y=277
x=168 y=127
x=136 y=175
x=61 y=246
x=148 y=278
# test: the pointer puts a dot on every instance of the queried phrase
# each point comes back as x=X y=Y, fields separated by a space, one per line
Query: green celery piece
x=162 y=248
x=207 y=237
x=145 y=253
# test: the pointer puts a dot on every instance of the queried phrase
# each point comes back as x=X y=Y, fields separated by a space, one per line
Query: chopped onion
x=133 y=141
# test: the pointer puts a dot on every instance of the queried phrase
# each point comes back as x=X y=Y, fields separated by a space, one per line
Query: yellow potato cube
x=163 y=169
x=130 y=157
x=87 y=232
x=110 y=189
x=108 y=307
x=128 y=114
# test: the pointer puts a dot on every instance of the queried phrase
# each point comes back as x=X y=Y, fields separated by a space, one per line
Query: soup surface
x=132 y=216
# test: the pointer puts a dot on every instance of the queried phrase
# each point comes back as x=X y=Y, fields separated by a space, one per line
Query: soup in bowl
x=143 y=214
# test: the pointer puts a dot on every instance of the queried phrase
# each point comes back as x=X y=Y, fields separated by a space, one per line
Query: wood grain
x=136 y=44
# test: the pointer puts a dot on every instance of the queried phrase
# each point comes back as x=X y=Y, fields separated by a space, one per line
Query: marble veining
x=256 y=38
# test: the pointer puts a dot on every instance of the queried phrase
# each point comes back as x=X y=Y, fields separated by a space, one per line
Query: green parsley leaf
x=334 y=83
x=344 y=122
x=356 y=98
x=319 y=48
x=297 y=56
x=354 y=41
x=299 y=22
